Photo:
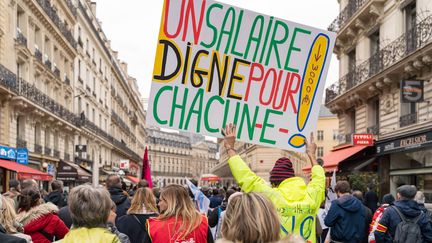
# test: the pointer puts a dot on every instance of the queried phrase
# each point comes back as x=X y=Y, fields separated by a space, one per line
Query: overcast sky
x=133 y=25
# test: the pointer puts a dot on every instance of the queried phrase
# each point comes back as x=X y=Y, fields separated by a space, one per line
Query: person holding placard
x=297 y=203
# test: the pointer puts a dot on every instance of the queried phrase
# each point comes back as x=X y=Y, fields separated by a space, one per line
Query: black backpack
x=408 y=230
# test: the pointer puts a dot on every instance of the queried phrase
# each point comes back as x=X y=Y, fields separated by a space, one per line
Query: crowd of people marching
x=287 y=210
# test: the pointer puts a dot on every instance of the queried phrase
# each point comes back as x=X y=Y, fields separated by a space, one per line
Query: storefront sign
x=362 y=139
x=7 y=153
x=217 y=64
x=80 y=148
x=411 y=142
x=22 y=156
x=411 y=91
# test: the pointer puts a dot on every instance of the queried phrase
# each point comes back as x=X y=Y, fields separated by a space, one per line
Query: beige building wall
x=330 y=129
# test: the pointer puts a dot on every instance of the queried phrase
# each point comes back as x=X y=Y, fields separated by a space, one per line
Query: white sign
x=124 y=164
x=217 y=64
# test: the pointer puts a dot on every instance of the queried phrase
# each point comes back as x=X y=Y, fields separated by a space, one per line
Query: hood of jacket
x=349 y=203
x=117 y=195
x=409 y=208
x=54 y=197
x=293 y=189
x=37 y=212
x=94 y=235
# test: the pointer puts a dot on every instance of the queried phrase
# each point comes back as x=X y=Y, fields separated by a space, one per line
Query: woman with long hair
x=40 y=220
x=8 y=223
x=250 y=218
x=143 y=206
x=179 y=220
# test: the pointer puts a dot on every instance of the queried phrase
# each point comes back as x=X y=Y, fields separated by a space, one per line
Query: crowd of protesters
x=252 y=212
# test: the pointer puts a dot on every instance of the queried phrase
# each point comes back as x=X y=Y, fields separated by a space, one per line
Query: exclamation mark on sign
x=309 y=87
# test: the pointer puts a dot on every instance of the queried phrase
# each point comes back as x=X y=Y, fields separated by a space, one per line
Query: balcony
x=66 y=156
x=345 y=15
x=38 y=148
x=67 y=80
x=56 y=72
x=21 y=143
x=21 y=39
x=52 y=14
x=72 y=8
x=414 y=39
x=373 y=130
x=38 y=55
x=48 y=64
x=56 y=153
x=47 y=151
x=120 y=122
x=407 y=120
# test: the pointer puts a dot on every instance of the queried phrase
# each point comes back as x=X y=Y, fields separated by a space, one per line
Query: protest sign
x=217 y=64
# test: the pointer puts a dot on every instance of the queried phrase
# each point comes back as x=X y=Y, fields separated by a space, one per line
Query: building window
x=373 y=116
x=320 y=152
x=408 y=114
x=320 y=135
x=335 y=134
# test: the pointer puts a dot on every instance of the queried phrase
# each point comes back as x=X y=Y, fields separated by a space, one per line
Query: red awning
x=332 y=159
x=25 y=172
x=133 y=179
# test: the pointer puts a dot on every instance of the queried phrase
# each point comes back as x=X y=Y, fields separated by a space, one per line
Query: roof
x=325 y=112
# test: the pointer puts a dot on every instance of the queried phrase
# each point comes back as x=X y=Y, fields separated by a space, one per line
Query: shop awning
x=332 y=159
x=71 y=172
x=133 y=179
x=25 y=172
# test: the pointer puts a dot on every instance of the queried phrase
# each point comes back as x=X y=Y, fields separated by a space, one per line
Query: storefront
x=407 y=160
x=72 y=174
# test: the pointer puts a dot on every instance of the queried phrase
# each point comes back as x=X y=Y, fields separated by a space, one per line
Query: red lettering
x=253 y=78
x=190 y=10
x=282 y=100
x=263 y=86
x=293 y=90
x=180 y=22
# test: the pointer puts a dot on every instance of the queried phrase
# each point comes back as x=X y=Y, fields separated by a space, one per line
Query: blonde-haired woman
x=250 y=218
x=179 y=220
x=7 y=220
x=143 y=206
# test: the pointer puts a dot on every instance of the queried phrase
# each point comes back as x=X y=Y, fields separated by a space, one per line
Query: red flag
x=146 y=172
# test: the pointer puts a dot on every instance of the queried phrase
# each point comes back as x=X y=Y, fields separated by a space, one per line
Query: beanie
x=282 y=170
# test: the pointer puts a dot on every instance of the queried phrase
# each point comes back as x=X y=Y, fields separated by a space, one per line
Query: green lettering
x=256 y=39
x=266 y=124
x=226 y=110
x=274 y=42
x=155 y=104
x=182 y=107
x=206 y=113
x=230 y=11
x=211 y=26
x=233 y=51
x=198 y=99
x=250 y=124
x=293 y=48
x=266 y=39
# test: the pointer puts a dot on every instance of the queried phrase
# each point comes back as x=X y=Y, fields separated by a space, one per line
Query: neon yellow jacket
x=297 y=203
x=94 y=235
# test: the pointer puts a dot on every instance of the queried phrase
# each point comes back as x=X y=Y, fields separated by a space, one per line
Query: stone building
x=385 y=53
x=64 y=94
x=174 y=157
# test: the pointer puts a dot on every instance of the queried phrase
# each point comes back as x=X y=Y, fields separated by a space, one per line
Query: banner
x=201 y=201
x=217 y=64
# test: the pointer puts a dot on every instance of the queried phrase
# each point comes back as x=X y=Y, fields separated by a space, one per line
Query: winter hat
x=282 y=170
x=407 y=191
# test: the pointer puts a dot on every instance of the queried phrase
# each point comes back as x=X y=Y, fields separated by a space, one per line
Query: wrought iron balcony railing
x=67 y=80
x=120 y=122
x=21 y=143
x=38 y=148
x=56 y=72
x=407 y=120
x=52 y=14
x=414 y=39
x=346 y=14
x=72 y=8
x=373 y=130
x=22 y=40
x=48 y=64
x=38 y=55
x=56 y=153
x=47 y=151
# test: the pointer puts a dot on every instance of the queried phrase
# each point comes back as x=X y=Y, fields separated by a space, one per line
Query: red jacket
x=163 y=231
x=43 y=224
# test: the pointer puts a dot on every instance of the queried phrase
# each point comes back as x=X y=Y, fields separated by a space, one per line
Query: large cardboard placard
x=216 y=64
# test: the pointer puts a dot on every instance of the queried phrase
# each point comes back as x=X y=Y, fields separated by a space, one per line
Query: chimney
x=93 y=8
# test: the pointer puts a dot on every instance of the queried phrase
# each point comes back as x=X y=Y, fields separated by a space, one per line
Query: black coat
x=57 y=198
x=130 y=226
x=120 y=199
x=64 y=215
x=371 y=200
x=5 y=238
